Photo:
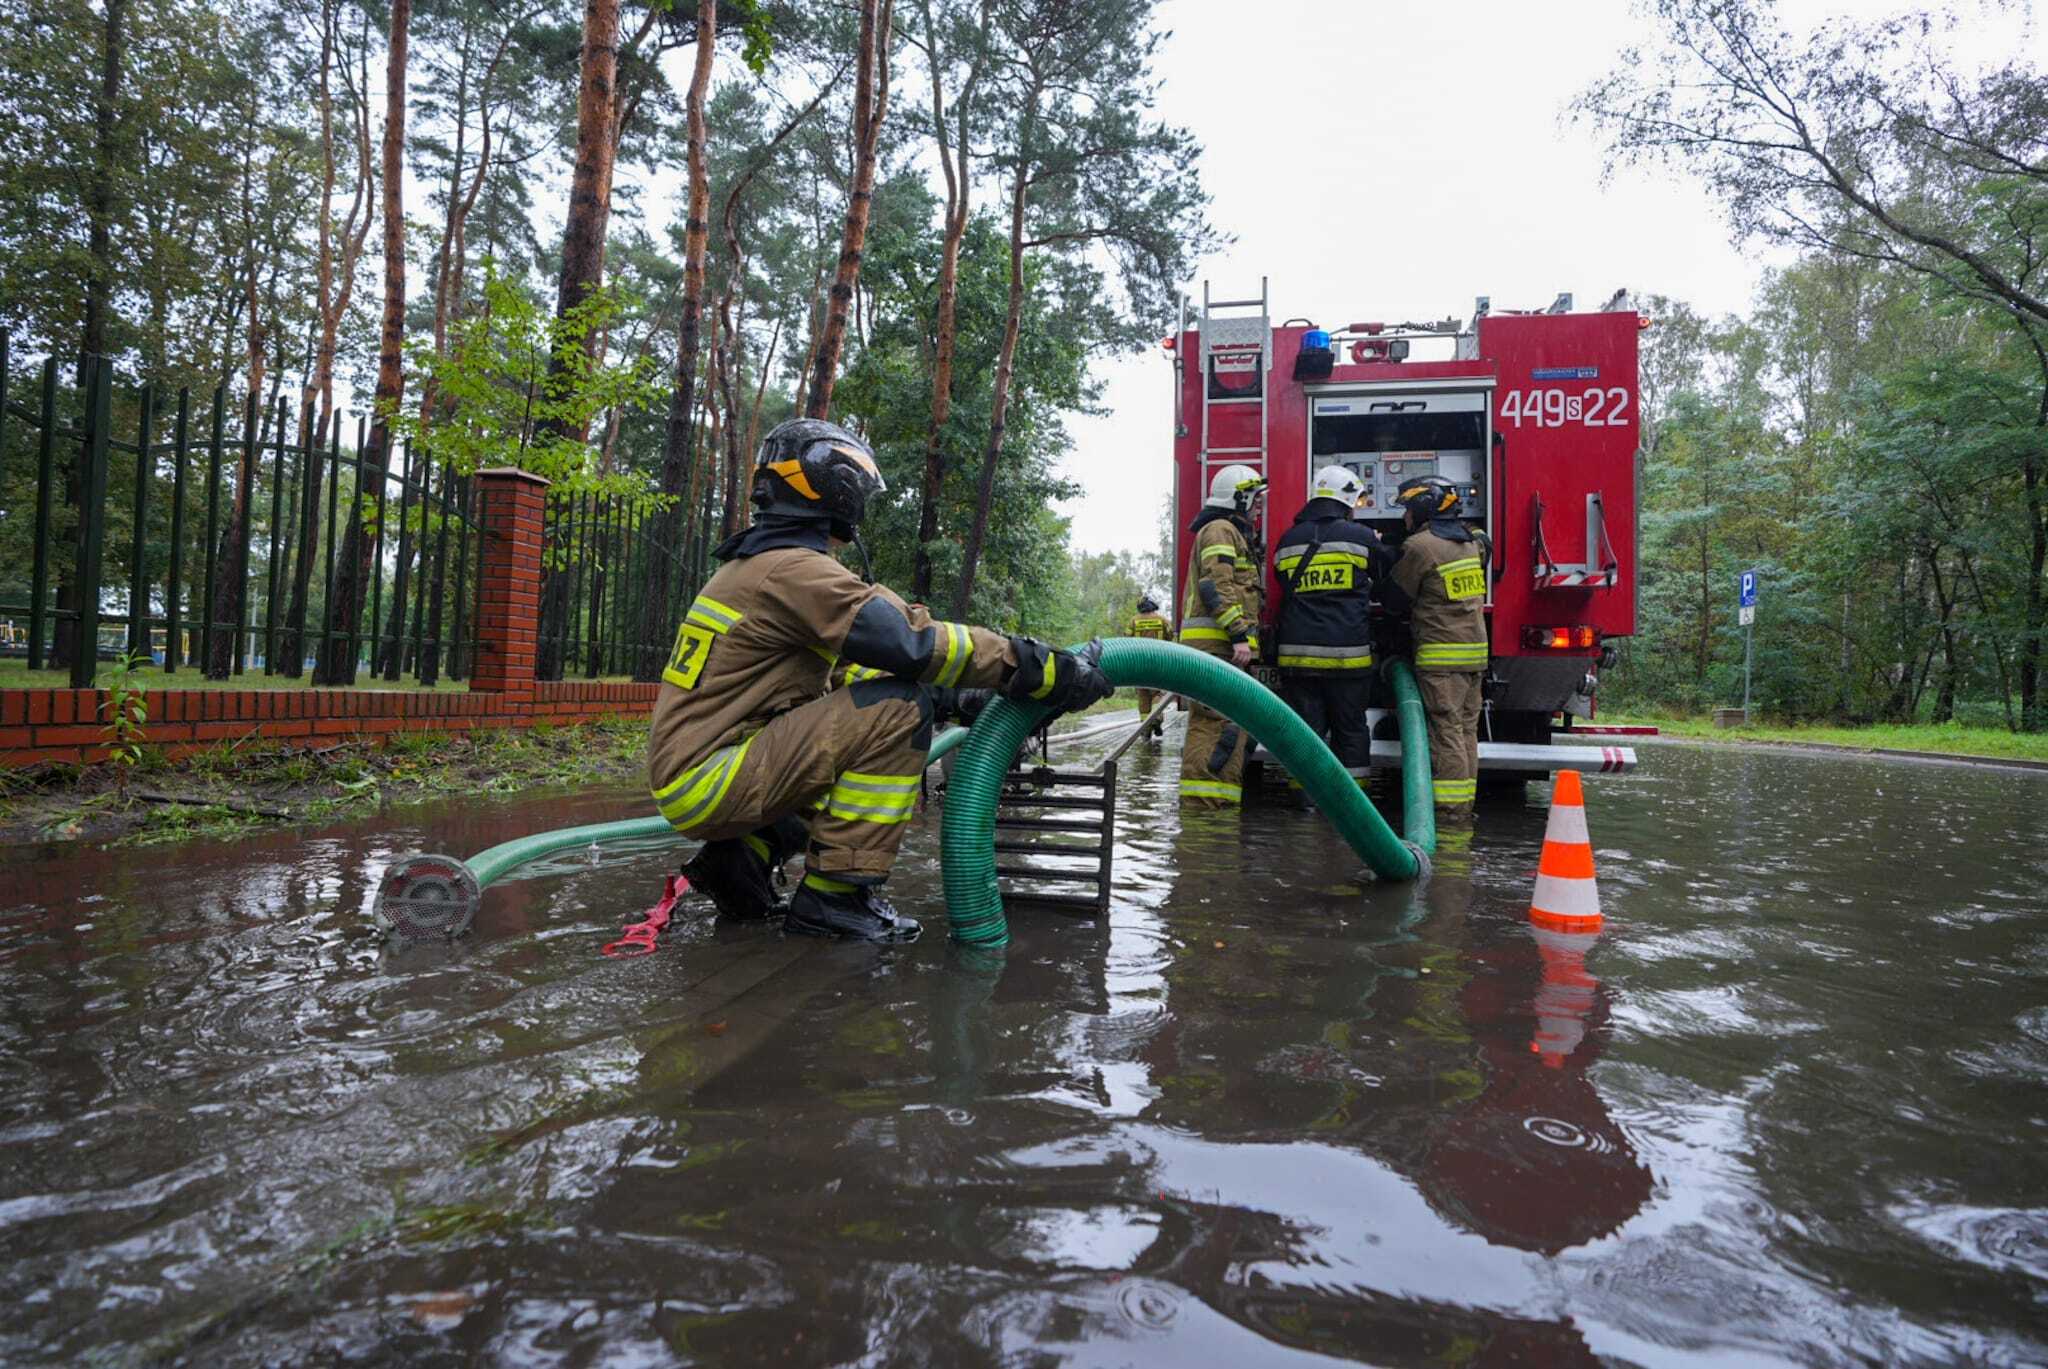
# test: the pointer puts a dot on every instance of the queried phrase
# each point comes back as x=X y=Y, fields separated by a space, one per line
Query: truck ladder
x=1233 y=339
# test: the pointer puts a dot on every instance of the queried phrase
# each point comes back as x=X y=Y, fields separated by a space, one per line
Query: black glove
x=1061 y=680
x=960 y=705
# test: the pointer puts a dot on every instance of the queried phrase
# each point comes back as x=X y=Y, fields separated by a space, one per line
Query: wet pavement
x=1790 y=1106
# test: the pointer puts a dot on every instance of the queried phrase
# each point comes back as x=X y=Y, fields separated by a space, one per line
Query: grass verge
x=236 y=788
x=1946 y=739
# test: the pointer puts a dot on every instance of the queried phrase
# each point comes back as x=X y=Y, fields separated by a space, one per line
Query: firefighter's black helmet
x=1147 y=604
x=1427 y=497
x=808 y=468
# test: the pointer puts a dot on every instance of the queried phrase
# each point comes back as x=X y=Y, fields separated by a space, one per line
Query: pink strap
x=638 y=938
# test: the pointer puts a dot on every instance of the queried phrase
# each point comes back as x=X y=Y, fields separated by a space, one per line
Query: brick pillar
x=509 y=507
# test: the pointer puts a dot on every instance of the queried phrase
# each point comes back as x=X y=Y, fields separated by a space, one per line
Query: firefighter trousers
x=851 y=764
x=1333 y=704
x=1450 y=702
x=1212 y=757
x=1146 y=699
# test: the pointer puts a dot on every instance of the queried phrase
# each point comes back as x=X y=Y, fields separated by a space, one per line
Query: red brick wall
x=39 y=725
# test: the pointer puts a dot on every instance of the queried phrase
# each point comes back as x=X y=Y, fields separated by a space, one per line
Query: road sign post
x=1747 y=615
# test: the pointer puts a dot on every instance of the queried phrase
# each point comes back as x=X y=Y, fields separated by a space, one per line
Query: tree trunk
x=583 y=240
x=954 y=156
x=352 y=576
x=679 y=440
x=870 y=107
x=999 y=408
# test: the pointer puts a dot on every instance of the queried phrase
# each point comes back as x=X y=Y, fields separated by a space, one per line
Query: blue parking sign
x=1749 y=589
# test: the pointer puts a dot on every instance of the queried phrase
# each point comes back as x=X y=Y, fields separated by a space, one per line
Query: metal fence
x=603 y=553
x=144 y=565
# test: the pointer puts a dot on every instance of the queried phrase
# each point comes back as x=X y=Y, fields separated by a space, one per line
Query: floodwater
x=1790 y=1106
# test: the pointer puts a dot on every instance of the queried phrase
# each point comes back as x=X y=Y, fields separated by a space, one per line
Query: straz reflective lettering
x=1555 y=408
x=693 y=648
x=1463 y=579
x=1316 y=577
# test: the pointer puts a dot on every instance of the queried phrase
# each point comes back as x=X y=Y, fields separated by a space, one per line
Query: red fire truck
x=1532 y=414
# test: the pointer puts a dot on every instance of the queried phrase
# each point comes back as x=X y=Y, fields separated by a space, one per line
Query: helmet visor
x=823 y=450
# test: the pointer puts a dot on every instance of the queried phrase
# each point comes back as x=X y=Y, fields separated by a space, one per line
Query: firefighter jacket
x=1325 y=621
x=768 y=630
x=1148 y=625
x=1222 y=603
x=1442 y=574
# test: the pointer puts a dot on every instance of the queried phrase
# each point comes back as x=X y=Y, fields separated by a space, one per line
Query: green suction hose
x=440 y=893
x=1418 y=799
x=974 y=904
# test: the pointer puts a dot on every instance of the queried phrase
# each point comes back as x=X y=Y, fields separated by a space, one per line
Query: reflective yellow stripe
x=1325 y=556
x=1224 y=550
x=758 y=847
x=694 y=795
x=860 y=797
x=1451 y=655
x=1046 y=687
x=862 y=672
x=1454 y=791
x=1212 y=789
x=1325 y=662
x=1230 y=615
x=959 y=651
x=1204 y=634
x=825 y=885
x=1463 y=563
x=715 y=615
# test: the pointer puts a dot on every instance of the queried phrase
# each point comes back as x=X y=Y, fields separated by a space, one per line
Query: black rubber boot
x=823 y=906
x=735 y=875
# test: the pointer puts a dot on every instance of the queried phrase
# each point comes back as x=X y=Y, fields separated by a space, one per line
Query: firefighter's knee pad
x=868 y=693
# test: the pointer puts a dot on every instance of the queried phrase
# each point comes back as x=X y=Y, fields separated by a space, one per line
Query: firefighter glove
x=1061 y=680
x=960 y=705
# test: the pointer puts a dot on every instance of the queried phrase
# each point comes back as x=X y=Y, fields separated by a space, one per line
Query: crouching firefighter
x=1220 y=616
x=750 y=752
x=1148 y=625
x=1325 y=567
x=1440 y=581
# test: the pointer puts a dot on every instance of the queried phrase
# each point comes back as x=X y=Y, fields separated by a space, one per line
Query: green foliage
x=127 y=716
x=498 y=404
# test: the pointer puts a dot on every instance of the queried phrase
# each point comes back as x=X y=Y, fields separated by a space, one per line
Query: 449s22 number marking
x=1554 y=408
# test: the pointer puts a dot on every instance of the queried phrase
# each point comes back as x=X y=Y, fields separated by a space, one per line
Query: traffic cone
x=1567 y=897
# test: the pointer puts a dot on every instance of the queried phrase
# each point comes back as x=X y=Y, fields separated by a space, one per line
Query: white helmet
x=1338 y=482
x=1234 y=487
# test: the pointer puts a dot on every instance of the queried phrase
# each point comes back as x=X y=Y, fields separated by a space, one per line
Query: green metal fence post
x=174 y=624
x=276 y=521
x=326 y=651
x=209 y=557
x=46 y=460
x=92 y=526
x=138 y=582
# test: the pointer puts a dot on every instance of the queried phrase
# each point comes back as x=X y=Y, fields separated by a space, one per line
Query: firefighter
x=1325 y=568
x=750 y=752
x=1440 y=581
x=1221 y=617
x=1150 y=626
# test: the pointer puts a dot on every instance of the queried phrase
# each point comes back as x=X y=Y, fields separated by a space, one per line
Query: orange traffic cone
x=1567 y=897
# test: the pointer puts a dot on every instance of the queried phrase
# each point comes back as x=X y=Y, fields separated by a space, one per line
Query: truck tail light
x=1579 y=638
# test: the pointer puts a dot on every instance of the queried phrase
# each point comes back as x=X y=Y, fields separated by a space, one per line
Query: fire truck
x=1532 y=414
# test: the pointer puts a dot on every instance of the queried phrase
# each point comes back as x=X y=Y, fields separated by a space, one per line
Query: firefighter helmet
x=1338 y=482
x=809 y=468
x=1427 y=497
x=1147 y=604
x=1234 y=488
